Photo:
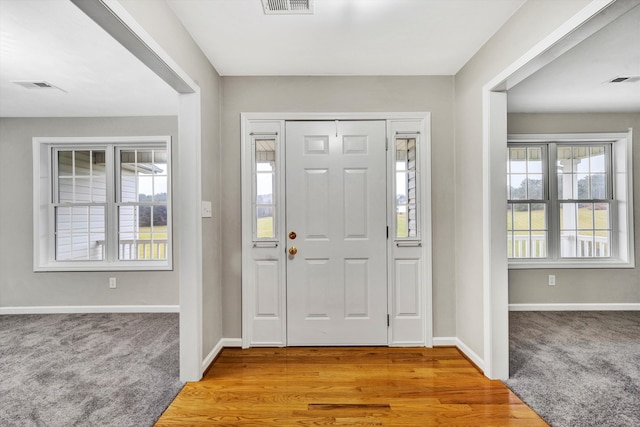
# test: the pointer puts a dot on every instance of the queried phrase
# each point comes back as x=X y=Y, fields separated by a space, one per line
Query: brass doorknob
x=293 y=250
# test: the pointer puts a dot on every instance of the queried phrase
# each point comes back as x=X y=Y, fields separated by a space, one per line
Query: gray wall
x=534 y=21
x=19 y=285
x=157 y=18
x=341 y=94
x=580 y=285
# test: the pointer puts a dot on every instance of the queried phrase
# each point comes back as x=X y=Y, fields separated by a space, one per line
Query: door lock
x=292 y=235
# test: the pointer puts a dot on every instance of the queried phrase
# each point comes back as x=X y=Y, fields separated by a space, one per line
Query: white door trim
x=494 y=141
x=274 y=122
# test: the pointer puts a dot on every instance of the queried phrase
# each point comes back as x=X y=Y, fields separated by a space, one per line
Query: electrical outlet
x=552 y=280
x=112 y=282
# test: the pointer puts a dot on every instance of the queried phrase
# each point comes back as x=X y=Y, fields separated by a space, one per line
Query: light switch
x=206 y=209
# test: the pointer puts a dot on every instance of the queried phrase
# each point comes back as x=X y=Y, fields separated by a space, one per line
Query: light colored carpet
x=577 y=368
x=87 y=369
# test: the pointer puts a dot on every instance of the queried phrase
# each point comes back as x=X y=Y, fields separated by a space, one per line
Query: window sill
x=573 y=264
x=82 y=266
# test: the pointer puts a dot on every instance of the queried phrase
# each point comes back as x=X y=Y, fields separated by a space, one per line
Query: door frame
x=273 y=124
x=122 y=26
x=495 y=281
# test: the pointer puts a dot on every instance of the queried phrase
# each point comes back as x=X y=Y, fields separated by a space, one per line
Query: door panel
x=356 y=284
x=336 y=205
x=266 y=279
x=407 y=273
x=355 y=204
x=316 y=203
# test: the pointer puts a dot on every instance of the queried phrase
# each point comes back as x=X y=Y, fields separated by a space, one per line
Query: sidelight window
x=264 y=188
x=406 y=187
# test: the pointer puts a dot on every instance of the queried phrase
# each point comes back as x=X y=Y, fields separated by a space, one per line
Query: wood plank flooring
x=361 y=386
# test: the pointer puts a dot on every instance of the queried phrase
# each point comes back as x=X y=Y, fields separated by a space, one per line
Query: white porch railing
x=522 y=248
x=141 y=249
x=587 y=247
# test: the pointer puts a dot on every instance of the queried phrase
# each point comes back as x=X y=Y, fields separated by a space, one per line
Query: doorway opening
x=118 y=22
x=495 y=278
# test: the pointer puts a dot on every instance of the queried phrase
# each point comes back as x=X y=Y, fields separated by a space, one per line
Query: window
x=79 y=204
x=569 y=201
x=527 y=229
x=265 y=178
x=585 y=200
x=102 y=204
x=406 y=187
x=142 y=203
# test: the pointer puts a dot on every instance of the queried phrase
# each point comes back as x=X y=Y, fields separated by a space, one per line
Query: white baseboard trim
x=576 y=307
x=212 y=355
x=479 y=361
x=455 y=341
x=69 y=309
x=445 y=341
x=224 y=342
x=232 y=342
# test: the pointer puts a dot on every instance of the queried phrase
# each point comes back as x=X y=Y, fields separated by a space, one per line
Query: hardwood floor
x=361 y=386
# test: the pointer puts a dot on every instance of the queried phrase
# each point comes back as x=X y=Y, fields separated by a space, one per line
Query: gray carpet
x=577 y=368
x=87 y=369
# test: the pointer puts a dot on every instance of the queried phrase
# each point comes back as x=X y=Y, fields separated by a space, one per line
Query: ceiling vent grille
x=38 y=84
x=287 y=7
x=625 y=79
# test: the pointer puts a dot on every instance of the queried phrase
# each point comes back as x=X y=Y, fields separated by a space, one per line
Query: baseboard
x=445 y=341
x=232 y=342
x=477 y=360
x=212 y=355
x=224 y=342
x=457 y=342
x=576 y=307
x=71 y=309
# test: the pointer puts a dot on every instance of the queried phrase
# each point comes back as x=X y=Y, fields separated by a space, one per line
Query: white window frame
x=406 y=240
x=44 y=183
x=621 y=213
x=545 y=200
x=266 y=241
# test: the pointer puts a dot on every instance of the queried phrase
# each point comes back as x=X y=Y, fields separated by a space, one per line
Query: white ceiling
x=52 y=40
x=343 y=37
x=579 y=79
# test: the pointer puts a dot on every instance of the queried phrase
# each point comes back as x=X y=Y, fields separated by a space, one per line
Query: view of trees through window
x=159 y=212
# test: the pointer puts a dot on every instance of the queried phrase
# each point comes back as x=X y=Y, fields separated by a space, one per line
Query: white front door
x=336 y=206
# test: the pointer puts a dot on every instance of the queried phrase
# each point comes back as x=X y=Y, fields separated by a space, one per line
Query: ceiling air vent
x=41 y=84
x=625 y=79
x=288 y=7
